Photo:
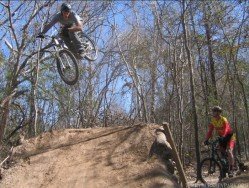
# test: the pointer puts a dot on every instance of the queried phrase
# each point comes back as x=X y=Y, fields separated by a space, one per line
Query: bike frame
x=215 y=155
x=57 y=46
x=214 y=150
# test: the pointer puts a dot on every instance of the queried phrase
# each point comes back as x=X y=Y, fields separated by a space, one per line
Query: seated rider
x=227 y=137
x=72 y=23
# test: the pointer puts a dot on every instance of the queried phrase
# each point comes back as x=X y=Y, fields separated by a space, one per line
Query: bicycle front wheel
x=67 y=67
x=211 y=171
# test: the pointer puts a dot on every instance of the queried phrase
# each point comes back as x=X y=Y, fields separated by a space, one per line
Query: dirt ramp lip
x=63 y=138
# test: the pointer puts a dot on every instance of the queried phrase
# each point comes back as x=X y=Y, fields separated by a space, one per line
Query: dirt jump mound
x=89 y=158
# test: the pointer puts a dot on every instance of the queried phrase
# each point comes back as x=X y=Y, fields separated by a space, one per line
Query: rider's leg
x=222 y=151
x=68 y=42
x=231 y=160
x=76 y=41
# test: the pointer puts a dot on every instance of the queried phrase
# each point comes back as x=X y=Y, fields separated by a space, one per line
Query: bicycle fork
x=58 y=56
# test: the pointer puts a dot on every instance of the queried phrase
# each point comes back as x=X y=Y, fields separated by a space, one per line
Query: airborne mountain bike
x=66 y=60
x=216 y=167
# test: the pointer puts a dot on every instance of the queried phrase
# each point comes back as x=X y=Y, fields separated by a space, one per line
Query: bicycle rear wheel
x=67 y=67
x=211 y=171
x=91 y=51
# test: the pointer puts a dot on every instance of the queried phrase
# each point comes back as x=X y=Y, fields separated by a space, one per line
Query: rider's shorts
x=229 y=141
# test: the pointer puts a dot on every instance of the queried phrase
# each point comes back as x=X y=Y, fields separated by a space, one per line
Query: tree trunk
x=32 y=128
x=210 y=54
x=193 y=101
x=244 y=138
x=89 y=106
x=5 y=104
x=4 y=114
x=153 y=91
x=203 y=77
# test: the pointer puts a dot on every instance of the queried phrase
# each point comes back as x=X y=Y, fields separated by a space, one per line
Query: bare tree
x=193 y=99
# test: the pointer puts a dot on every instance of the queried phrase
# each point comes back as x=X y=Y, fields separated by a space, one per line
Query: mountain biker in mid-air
x=71 y=24
x=227 y=137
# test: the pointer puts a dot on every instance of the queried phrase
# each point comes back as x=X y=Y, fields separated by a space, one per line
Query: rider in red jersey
x=227 y=137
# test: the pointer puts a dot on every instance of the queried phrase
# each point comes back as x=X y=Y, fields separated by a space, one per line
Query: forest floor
x=238 y=181
x=94 y=157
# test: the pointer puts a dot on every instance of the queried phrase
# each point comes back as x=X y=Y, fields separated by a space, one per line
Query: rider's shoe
x=81 y=53
x=230 y=173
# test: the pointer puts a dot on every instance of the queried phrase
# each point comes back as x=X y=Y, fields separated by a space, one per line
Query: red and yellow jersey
x=221 y=125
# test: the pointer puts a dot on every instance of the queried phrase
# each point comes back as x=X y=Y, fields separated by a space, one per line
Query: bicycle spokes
x=67 y=67
x=66 y=62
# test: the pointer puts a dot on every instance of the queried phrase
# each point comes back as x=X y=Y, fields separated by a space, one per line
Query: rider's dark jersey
x=72 y=20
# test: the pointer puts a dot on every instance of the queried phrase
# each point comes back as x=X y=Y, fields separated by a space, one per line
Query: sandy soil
x=88 y=158
x=238 y=181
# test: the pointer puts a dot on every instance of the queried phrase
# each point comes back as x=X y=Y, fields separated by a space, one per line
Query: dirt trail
x=238 y=181
x=89 y=158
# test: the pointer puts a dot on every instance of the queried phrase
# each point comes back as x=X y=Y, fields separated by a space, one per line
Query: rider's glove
x=40 y=35
x=206 y=142
x=221 y=139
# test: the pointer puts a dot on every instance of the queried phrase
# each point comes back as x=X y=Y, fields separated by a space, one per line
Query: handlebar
x=55 y=39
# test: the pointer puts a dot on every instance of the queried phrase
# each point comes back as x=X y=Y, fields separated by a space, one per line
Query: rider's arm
x=210 y=131
x=78 y=23
x=77 y=27
x=54 y=20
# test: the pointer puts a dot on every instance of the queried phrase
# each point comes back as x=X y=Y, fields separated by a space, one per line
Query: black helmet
x=217 y=109
x=65 y=7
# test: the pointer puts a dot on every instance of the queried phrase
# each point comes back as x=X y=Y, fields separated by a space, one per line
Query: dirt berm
x=88 y=158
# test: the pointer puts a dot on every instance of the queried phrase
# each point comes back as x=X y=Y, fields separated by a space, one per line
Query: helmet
x=217 y=109
x=65 y=7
